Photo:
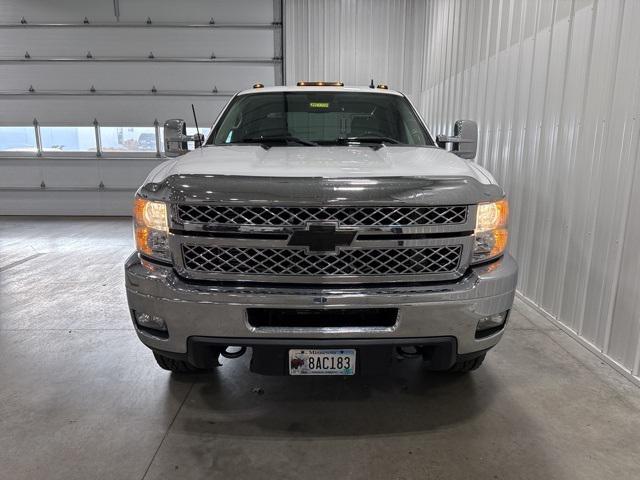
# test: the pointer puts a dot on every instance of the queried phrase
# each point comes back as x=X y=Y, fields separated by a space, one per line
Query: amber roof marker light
x=382 y=86
x=320 y=84
x=258 y=85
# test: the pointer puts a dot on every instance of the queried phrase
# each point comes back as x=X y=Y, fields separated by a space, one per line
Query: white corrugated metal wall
x=119 y=36
x=555 y=88
x=354 y=41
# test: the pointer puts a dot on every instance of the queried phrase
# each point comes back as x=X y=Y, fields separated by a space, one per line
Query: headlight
x=491 y=230
x=151 y=228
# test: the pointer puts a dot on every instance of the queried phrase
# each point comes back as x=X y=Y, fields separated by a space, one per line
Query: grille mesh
x=296 y=216
x=283 y=261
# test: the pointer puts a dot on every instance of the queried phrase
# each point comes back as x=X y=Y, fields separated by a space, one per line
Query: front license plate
x=322 y=362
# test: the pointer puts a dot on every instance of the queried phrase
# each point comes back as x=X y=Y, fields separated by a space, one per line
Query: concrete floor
x=81 y=397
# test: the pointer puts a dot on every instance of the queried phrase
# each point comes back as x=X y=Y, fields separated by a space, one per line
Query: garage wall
x=119 y=86
x=555 y=88
x=355 y=41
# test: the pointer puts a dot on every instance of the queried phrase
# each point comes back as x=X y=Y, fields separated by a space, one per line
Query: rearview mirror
x=464 y=141
x=176 y=138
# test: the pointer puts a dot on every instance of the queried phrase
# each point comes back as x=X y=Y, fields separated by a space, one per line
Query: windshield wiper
x=371 y=140
x=375 y=143
x=282 y=139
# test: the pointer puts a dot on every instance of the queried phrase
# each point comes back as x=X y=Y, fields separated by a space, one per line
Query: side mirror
x=176 y=138
x=464 y=141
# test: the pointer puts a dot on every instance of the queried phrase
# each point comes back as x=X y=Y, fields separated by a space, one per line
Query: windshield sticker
x=319 y=104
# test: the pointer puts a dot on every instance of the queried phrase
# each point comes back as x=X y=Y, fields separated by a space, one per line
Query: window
x=83 y=139
x=128 y=139
x=68 y=139
x=326 y=118
x=18 y=139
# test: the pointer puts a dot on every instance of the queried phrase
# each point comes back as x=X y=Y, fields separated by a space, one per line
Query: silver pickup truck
x=326 y=229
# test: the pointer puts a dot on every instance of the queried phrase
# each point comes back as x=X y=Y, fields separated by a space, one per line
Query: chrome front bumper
x=197 y=309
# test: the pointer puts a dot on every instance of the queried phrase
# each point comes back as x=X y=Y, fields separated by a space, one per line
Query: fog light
x=491 y=324
x=151 y=321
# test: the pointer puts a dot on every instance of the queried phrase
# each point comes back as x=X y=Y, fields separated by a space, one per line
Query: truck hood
x=321 y=162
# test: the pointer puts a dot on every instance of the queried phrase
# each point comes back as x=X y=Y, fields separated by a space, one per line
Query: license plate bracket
x=322 y=361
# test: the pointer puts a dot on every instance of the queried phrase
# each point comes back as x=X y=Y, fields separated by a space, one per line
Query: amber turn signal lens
x=501 y=237
x=490 y=244
x=138 y=210
x=142 y=240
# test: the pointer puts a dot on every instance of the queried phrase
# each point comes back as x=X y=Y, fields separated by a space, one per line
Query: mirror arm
x=448 y=139
x=464 y=141
x=197 y=138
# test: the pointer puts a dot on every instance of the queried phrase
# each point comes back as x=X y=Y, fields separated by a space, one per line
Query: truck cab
x=325 y=229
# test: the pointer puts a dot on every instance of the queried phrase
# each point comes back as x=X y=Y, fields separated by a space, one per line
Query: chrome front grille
x=439 y=259
x=323 y=244
x=300 y=216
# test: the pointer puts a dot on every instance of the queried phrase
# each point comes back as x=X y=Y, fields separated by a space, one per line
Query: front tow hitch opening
x=405 y=351
x=436 y=356
x=233 y=353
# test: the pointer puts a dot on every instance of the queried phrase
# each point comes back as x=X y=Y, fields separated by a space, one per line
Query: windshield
x=320 y=118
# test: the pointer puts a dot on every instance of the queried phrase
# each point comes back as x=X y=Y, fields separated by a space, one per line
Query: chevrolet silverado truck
x=324 y=229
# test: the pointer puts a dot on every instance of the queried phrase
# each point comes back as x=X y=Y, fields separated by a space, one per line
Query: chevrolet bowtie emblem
x=322 y=238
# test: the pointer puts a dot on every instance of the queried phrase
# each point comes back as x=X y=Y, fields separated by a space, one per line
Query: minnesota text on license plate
x=322 y=362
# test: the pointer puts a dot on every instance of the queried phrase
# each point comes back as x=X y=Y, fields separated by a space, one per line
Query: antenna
x=195 y=119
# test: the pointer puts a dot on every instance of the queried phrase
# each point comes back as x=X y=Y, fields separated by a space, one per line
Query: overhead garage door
x=83 y=86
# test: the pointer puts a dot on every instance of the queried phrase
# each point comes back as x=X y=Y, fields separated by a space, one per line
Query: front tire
x=464 y=366
x=177 y=366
